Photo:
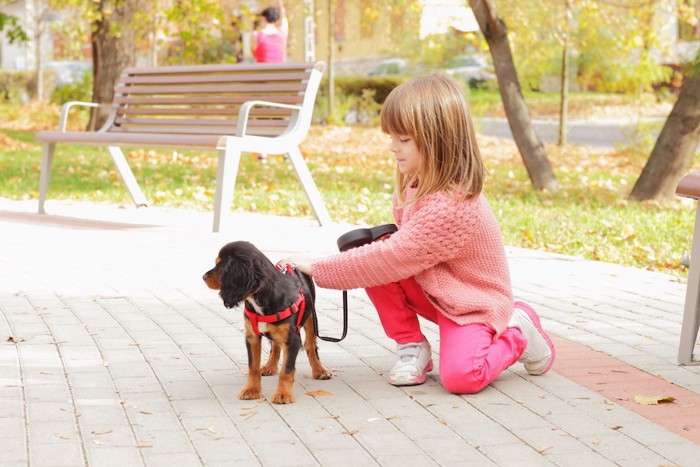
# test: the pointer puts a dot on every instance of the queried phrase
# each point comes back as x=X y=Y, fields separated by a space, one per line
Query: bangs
x=396 y=116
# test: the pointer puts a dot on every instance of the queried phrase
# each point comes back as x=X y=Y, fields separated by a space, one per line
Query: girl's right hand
x=302 y=263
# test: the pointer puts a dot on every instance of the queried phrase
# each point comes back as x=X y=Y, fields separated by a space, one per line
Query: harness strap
x=297 y=307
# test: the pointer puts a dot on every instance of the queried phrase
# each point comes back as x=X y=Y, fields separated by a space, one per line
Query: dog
x=277 y=305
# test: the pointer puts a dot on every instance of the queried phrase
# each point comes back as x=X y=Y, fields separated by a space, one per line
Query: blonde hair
x=433 y=111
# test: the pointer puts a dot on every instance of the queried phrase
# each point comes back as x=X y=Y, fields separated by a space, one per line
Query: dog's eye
x=218 y=260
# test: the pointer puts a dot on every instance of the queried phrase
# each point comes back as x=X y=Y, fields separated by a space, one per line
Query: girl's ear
x=238 y=280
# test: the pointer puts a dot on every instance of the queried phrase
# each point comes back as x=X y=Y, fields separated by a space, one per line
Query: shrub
x=16 y=86
x=358 y=99
x=78 y=90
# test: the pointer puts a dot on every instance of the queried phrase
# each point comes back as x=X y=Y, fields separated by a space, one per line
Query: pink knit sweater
x=454 y=249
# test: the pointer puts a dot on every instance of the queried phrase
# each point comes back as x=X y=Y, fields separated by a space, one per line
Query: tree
x=10 y=27
x=531 y=148
x=676 y=146
x=113 y=48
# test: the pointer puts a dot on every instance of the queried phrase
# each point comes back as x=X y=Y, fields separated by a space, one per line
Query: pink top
x=454 y=249
x=270 y=47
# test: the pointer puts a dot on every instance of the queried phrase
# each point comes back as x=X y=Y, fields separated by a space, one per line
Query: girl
x=269 y=43
x=447 y=262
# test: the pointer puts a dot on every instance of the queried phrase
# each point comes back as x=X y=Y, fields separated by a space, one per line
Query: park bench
x=262 y=108
x=689 y=187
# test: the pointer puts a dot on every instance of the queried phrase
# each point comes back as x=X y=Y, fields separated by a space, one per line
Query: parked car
x=470 y=68
x=392 y=66
x=68 y=71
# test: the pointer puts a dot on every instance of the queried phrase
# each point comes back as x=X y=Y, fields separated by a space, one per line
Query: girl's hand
x=302 y=263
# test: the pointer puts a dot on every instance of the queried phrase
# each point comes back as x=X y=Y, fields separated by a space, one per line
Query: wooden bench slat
x=212 y=89
x=239 y=68
x=223 y=78
x=689 y=186
x=202 y=100
x=210 y=130
x=198 y=122
x=224 y=111
x=202 y=141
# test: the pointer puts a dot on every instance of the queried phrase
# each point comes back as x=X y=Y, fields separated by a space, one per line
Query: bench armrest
x=247 y=106
x=65 y=109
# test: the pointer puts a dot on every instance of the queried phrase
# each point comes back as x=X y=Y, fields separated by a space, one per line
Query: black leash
x=353 y=239
x=311 y=307
x=345 y=322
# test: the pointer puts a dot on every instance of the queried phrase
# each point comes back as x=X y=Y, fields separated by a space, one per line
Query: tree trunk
x=564 y=104
x=530 y=147
x=113 y=49
x=674 y=149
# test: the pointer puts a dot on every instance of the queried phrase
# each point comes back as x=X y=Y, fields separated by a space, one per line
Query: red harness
x=298 y=306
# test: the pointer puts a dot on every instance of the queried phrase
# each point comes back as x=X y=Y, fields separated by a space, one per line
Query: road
x=599 y=133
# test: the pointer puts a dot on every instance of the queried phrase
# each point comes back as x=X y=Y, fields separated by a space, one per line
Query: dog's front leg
x=289 y=341
x=253 y=343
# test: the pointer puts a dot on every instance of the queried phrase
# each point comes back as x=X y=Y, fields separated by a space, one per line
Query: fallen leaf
x=104 y=432
x=319 y=392
x=351 y=432
x=208 y=429
x=143 y=445
x=652 y=400
x=249 y=414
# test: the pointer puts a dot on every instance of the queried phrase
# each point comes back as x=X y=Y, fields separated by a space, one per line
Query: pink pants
x=470 y=359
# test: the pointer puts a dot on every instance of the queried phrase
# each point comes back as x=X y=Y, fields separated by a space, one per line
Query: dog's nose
x=205 y=276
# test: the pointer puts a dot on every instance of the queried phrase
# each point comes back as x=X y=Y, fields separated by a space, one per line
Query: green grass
x=589 y=217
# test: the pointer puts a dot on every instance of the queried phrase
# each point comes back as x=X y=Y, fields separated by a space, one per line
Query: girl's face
x=406 y=153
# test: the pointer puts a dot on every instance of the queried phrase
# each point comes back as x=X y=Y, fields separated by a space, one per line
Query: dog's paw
x=269 y=370
x=282 y=398
x=322 y=374
x=249 y=394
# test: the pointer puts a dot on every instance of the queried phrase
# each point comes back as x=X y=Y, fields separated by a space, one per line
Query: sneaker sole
x=536 y=321
x=415 y=382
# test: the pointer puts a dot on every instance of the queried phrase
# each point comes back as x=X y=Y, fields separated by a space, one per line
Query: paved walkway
x=114 y=352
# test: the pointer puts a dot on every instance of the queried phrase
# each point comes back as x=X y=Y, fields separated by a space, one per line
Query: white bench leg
x=226 y=172
x=127 y=176
x=691 y=313
x=307 y=182
x=45 y=173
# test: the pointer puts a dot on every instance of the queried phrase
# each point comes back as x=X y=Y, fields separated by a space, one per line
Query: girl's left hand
x=302 y=263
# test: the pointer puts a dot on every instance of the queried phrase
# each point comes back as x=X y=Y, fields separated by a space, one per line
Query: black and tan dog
x=277 y=305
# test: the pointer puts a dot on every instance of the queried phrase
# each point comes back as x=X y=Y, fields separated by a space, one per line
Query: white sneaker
x=539 y=354
x=414 y=363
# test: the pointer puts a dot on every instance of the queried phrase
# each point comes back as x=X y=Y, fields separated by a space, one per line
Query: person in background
x=447 y=262
x=269 y=40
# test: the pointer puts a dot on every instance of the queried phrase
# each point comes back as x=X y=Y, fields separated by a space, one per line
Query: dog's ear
x=238 y=280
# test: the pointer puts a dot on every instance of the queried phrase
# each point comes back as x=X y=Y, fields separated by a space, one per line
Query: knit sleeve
x=433 y=230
